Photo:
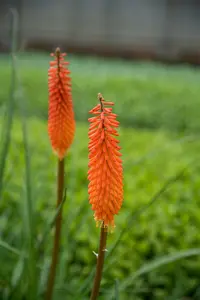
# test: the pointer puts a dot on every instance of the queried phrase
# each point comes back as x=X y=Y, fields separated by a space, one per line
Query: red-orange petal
x=61 y=122
x=105 y=173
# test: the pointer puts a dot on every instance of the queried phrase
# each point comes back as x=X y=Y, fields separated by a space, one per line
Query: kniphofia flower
x=61 y=123
x=105 y=165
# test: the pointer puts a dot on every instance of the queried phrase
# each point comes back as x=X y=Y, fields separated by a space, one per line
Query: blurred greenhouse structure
x=152 y=29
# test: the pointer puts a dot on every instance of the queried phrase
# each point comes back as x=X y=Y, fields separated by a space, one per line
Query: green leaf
x=149 y=267
x=6 y=246
x=8 y=121
x=17 y=272
x=29 y=209
x=52 y=222
x=116 y=290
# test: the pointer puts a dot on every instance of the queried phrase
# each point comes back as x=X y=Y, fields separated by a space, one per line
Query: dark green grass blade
x=30 y=216
x=7 y=125
x=9 y=248
x=30 y=271
x=29 y=219
x=157 y=263
x=116 y=290
x=51 y=223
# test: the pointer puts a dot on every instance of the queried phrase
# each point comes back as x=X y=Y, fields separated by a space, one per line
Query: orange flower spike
x=105 y=165
x=61 y=122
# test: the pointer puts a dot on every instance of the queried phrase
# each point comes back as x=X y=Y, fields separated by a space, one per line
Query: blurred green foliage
x=147 y=95
x=150 y=158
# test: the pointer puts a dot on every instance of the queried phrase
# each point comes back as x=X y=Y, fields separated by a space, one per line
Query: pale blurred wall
x=163 y=27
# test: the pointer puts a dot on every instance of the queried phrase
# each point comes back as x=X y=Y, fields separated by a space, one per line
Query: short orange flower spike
x=105 y=165
x=61 y=123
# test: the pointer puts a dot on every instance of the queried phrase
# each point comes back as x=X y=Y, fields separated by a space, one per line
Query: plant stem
x=58 y=225
x=100 y=262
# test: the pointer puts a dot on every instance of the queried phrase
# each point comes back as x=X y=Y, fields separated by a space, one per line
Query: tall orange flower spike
x=61 y=123
x=105 y=165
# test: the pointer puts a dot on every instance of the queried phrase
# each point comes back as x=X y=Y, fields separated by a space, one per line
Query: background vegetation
x=147 y=95
x=159 y=221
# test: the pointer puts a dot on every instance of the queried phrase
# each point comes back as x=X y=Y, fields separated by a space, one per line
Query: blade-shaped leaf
x=7 y=247
x=52 y=222
x=149 y=267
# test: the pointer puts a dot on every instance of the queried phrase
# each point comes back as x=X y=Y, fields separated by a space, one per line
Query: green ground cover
x=145 y=96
